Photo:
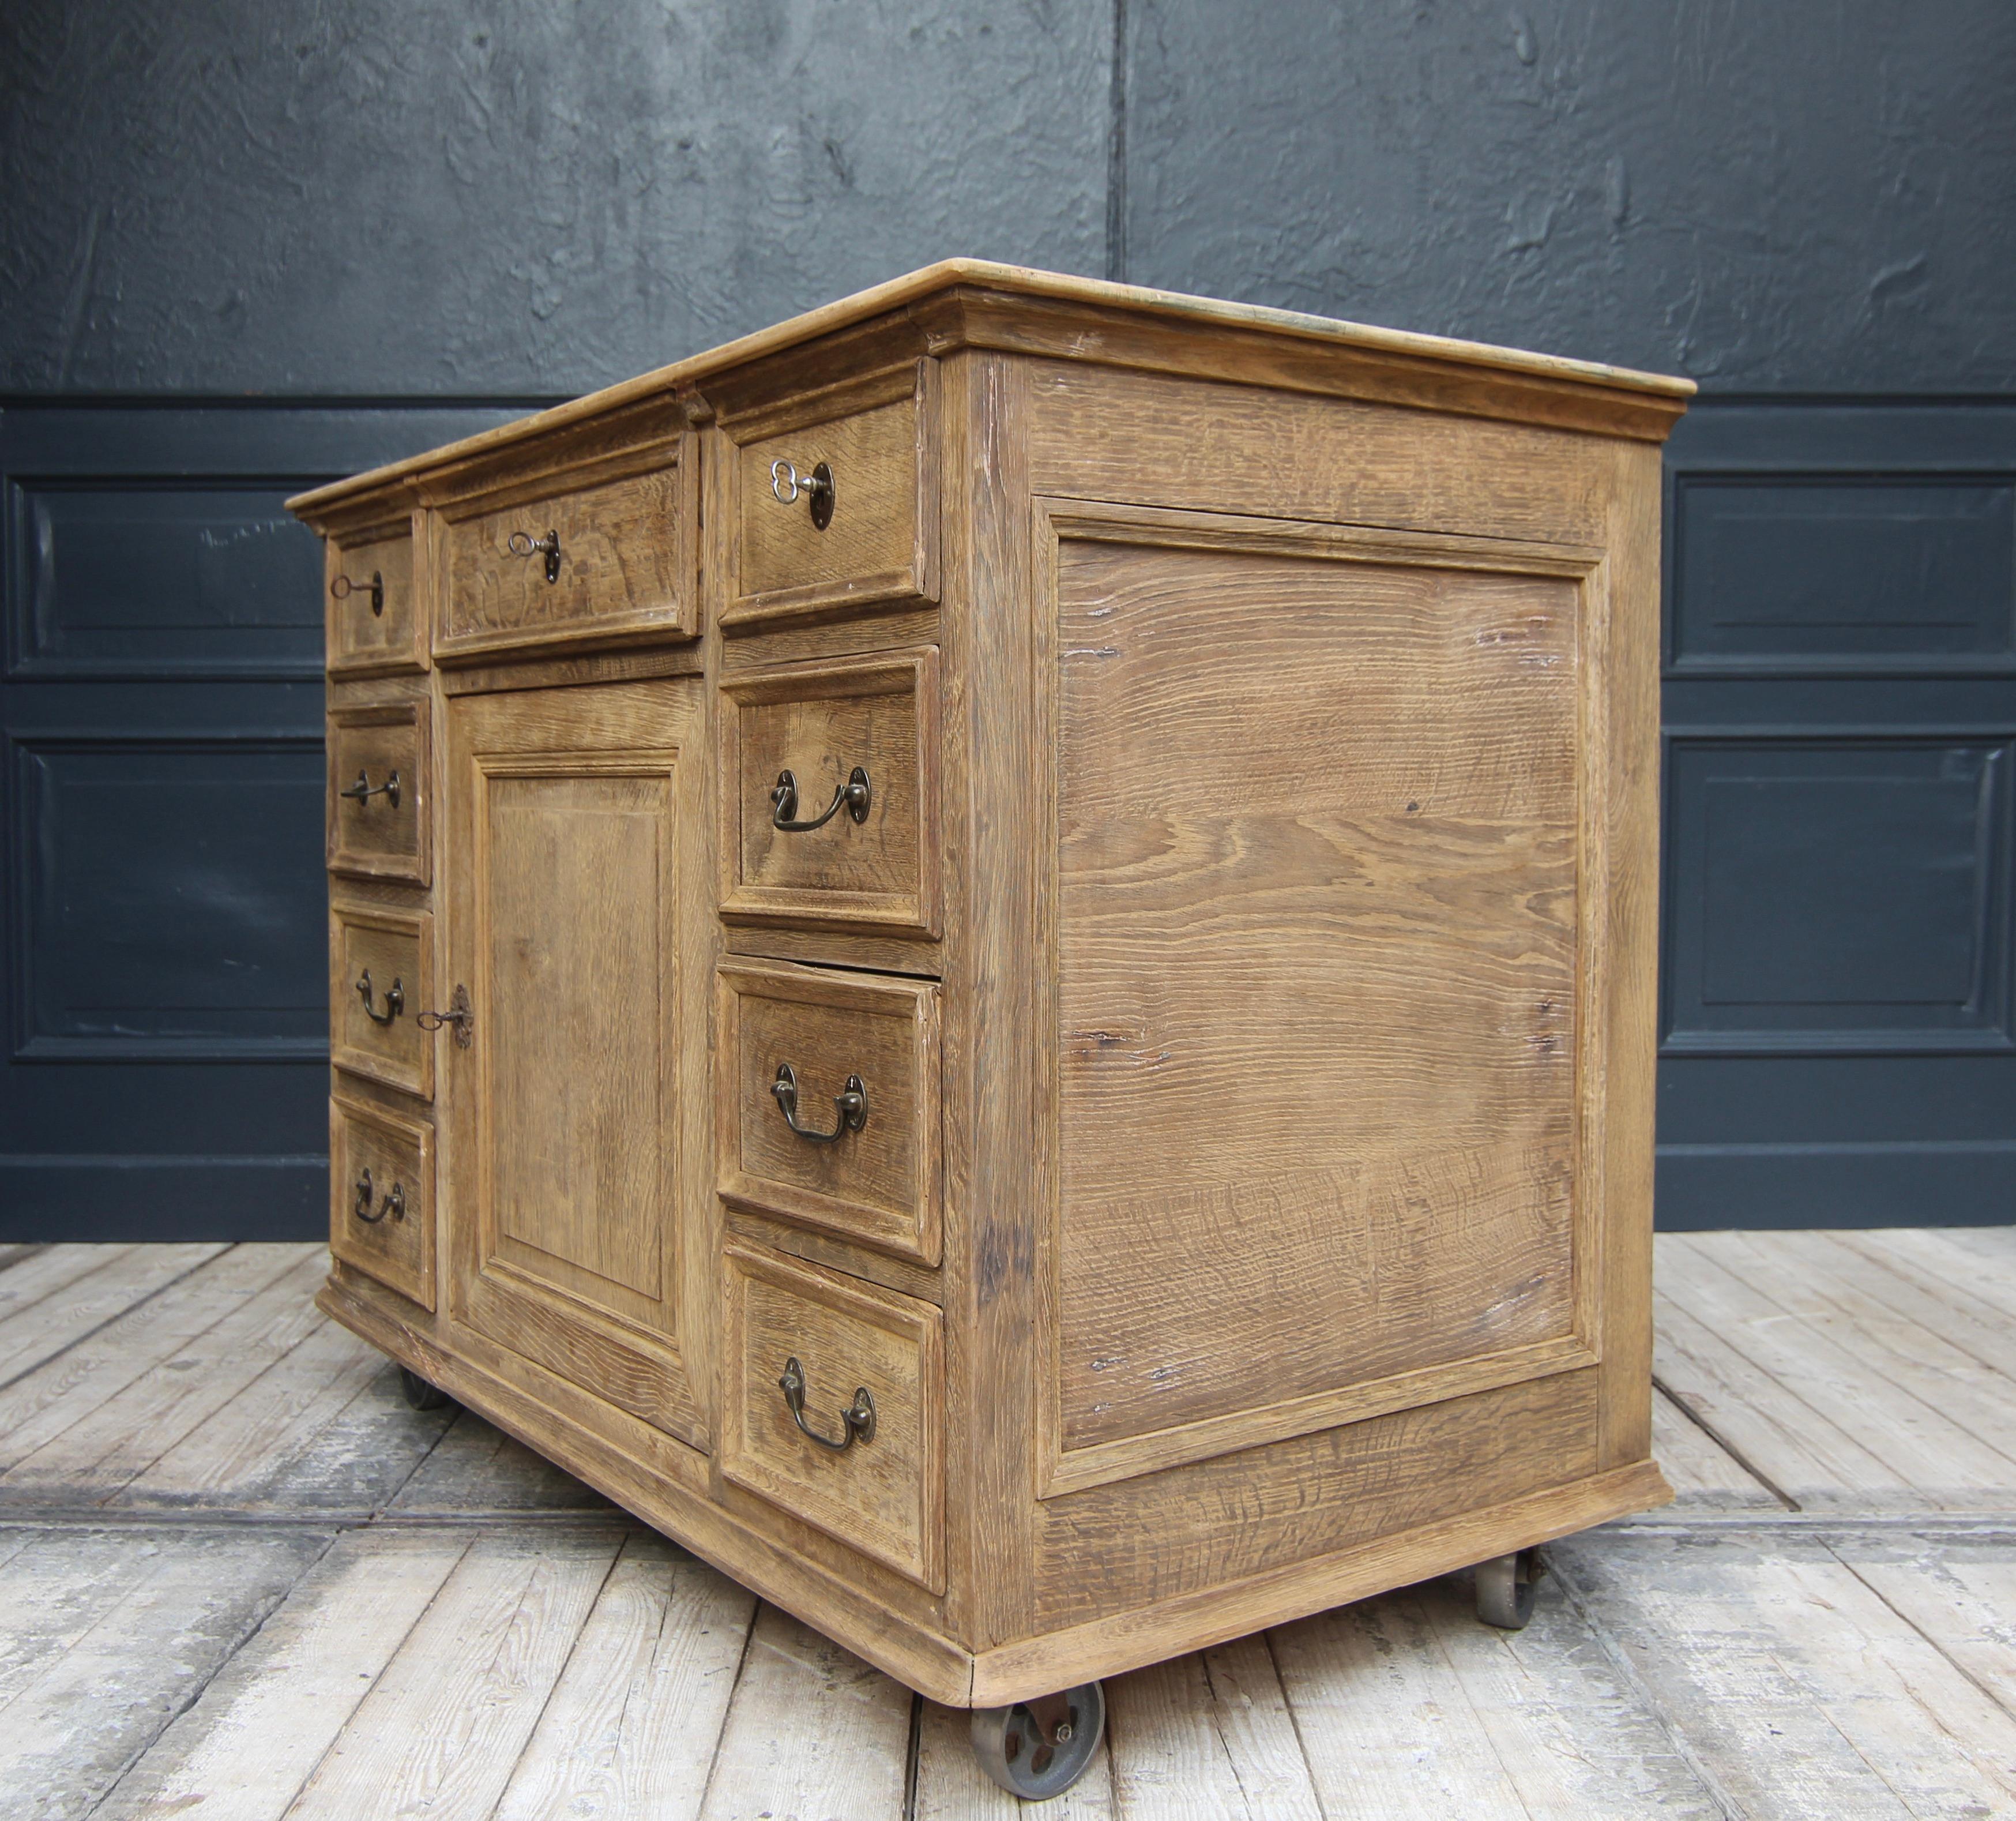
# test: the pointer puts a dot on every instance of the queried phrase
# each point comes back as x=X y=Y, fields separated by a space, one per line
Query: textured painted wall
x=512 y=195
x=369 y=196
x=1816 y=195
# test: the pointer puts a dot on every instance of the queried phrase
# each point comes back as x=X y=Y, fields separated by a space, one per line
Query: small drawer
x=381 y=980
x=836 y=501
x=606 y=562
x=829 y=794
x=381 y=1209
x=856 y=1348
x=829 y=1103
x=378 y=794
x=374 y=625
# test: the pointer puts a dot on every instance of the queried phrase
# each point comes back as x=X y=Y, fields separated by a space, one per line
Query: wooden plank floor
x=240 y=1580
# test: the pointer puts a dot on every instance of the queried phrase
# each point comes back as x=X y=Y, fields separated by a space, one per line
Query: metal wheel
x=1037 y=1749
x=419 y=1394
x=1505 y=1587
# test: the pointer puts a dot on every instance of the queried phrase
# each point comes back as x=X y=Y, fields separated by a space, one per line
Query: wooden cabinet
x=1022 y=920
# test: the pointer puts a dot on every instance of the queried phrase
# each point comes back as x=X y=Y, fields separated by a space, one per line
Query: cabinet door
x=575 y=1115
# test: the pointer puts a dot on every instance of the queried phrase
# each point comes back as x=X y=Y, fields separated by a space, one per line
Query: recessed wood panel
x=624 y=569
x=375 y=626
x=878 y=1183
x=877 y=439
x=820 y=722
x=575 y=821
x=1318 y=822
x=884 y=1495
x=380 y=787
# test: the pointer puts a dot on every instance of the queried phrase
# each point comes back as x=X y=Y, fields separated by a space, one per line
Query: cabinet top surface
x=1010 y=289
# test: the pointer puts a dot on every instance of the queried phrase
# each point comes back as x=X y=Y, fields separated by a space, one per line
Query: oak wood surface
x=372 y=836
x=381 y=1196
x=395 y=948
x=362 y=641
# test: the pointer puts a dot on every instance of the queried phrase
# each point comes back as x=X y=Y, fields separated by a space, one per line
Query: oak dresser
x=992 y=954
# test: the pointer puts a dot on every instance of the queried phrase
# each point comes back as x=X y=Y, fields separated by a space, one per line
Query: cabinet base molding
x=934 y=1666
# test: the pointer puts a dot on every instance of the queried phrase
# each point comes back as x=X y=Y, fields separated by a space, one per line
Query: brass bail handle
x=343 y=587
x=849 y=1106
x=364 y=790
x=522 y=543
x=395 y=999
x=393 y=1204
x=853 y=796
x=786 y=484
x=857 y=1421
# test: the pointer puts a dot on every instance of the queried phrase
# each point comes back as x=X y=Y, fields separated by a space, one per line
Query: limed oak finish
x=1025 y=921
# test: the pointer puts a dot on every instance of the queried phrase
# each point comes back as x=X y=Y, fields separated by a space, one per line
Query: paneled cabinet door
x=575 y=1094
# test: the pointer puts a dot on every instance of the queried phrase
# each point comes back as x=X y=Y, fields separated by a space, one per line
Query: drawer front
x=883 y=1493
x=378 y=792
x=843 y=732
x=605 y=563
x=381 y=978
x=381 y=1209
x=851 y=1146
x=373 y=623
x=859 y=526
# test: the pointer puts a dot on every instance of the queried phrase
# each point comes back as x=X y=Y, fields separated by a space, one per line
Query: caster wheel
x=1505 y=1587
x=1037 y=1749
x=419 y=1394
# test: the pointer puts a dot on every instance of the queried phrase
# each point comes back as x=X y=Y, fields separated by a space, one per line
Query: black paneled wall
x=243 y=247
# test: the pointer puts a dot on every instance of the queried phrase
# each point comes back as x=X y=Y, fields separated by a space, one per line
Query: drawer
x=858 y=1053
x=381 y=978
x=839 y=733
x=381 y=1209
x=374 y=626
x=378 y=792
x=607 y=561
x=859 y=525
x=883 y=1493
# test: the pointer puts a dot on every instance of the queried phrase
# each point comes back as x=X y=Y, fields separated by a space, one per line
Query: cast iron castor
x=419 y=1394
x=1505 y=1587
x=1039 y=1748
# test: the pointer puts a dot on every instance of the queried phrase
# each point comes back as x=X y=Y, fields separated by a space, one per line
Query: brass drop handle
x=395 y=999
x=857 y=1421
x=853 y=796
x=522 y=543
x=343 y=587
x=849 y=1106
x=364 y=790
x=393 y=1204
x=460 y=1013
x=786 y=484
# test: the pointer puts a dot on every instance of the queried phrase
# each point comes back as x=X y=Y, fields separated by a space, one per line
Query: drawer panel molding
x=379 y=807
x=376 y=627
x=829 y=794
x=380 y=980
x=381 y=1195
x=852 y=1144
x=874 y=1478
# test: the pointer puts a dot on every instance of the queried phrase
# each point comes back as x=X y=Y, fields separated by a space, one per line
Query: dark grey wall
x=519 y=196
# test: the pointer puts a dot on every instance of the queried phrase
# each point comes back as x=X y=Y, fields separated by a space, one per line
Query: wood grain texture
x=395 y=949
x=884 y=1493
x=626 y=568
x=579 y=1115
x=878 y=436
x=373 y=837
x=50 y=1302
x=819 y=722
x=381 y=1196
x=879 y=1185
x=1318 y=889
x=363 y=642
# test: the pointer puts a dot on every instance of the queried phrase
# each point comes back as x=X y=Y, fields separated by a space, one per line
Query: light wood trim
x=388 y=660
x=357 y=913
x=366 y=863
x=1128 y=1640
x=351 y=1108
x=895 y=589
x=1062 y=1471
x=1026 y=282
x=916 y=912
x=924 y=1240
